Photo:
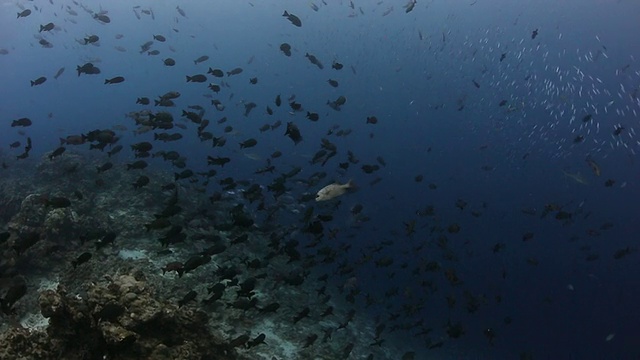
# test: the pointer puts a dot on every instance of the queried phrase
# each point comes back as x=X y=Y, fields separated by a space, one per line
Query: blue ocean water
x=506 y=182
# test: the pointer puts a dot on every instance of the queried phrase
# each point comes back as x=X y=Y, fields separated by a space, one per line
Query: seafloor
x=120 y=304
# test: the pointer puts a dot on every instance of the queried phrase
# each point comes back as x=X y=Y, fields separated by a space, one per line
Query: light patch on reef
x=132 y=254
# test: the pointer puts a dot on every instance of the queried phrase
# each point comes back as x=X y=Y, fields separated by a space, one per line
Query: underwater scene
x=319 y=179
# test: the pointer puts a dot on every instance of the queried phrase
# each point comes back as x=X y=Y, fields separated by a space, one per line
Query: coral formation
x=118 y=318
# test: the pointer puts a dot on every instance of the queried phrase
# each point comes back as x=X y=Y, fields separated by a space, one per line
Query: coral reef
x=118 y=318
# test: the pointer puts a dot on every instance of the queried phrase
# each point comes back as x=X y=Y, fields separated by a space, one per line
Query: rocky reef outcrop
x=118 y=318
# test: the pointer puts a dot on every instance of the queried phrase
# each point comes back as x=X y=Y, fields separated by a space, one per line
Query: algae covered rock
x=118 y=318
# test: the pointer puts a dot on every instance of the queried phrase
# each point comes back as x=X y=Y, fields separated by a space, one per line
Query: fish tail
x=351 y=185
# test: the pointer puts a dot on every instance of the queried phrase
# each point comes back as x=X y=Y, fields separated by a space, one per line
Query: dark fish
x=503 y=56
x=45 y=44
x=372 y=120
x=21 y=122
x=301 y=315
x=116 y=149
x=618 y=130
x=196 y=261
x=25 y=241
x=57 y=202
x=137 y=165
x=104 y=167
x=14 y=144
x=563 y=215
x=91 y=39
x=24 y=13
x=47 y=27
x=278 y=101
x=475 y=83
x=202 y=58
x=273 y=307
x=185 y=174
x=294 y=19
x=235 y=71
x=215 y=72
x=15 y=293
x=88 y=69
x=58 y=73
x=346 y=351
x=174 y=266
x=102 y=18
x=248 y=143
x=157 y=224
x=144 y=146
x=534 y=34
x=115 y=80
x=190 y=296
x=313 y=116
x=314 y=60
x=333 y=83
x=57 y=152
x=248 y=107
x=619 y=254
x=143 y=101
x=253 y=80
x=199 y=78
x=217 y=160
x=38 y=81
x=170 y=95
x=195 y=117
x=239 y=341
x=295 y=106
x=368 y=169
x=407 y=9
x=110 y=313
x=293 y=132
x=410 y=355
x=142 y=181
x=503 y=103
x=154 y=52
x=169 y=62
x=286 y=49
x=341 y=100
x=310 y=340
x=257 y=341
x=587 y=118
x=336 y=65
x=159 y=38
x=83 y=258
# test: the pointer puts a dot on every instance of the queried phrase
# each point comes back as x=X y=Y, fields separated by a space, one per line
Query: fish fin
x=350 y=185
